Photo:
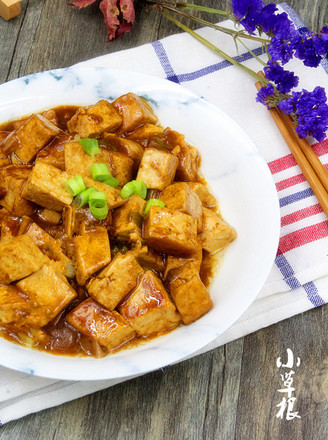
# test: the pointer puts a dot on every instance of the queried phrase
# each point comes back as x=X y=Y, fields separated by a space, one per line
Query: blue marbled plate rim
x=237 y=174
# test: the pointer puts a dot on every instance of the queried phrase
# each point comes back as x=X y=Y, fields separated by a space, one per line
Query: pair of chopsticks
x=311 y=166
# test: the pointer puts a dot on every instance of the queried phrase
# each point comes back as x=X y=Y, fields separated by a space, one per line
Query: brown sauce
x=59 y=337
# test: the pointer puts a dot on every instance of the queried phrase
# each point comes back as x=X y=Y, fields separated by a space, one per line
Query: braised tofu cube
x=12 y=179
x=189 y=162
x=180 y=197
x=174 y=263
x=167 y=140
x=216 y=233
x=14 y=306
x=91 y=253
x=77 y=161
x=169 y=231
x=113 y=194
x=157 y=168
x=127 y=219
x=147 y=258
x=189 y=294
x=143 y=133
x=114 y=282
x=48 y=292
x=50 y=247
x=135 y=111
x=19 y=257
x=207 y=199
x=34 y=134
x=109 y=329
x=125 y=146
x=148 y=308
x=50 y=216
x=54 y=153
x=93 y=120
x=46 y=187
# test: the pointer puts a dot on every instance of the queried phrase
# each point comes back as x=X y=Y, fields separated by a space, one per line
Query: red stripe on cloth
x=288 y=161
x=290 y=181
x=302 y=236
x=300 y=214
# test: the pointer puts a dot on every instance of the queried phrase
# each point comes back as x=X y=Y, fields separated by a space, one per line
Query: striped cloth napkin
x=299 y=277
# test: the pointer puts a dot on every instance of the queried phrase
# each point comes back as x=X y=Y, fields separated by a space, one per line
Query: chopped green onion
x=127 y=190
x=90 y=146
x=134 y=187
x=83 y=198
x=141 y=188
x=98 y=205
x=153 y=202
x=75 y=185
x=111 y=181
x=100 y=171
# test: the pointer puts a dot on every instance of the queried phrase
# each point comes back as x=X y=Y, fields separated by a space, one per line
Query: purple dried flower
x=306 y=46
x=310 y=110
x=273 y=24
x=247 y=12
x=284 y=79
x=280 y=50
x=264 y=93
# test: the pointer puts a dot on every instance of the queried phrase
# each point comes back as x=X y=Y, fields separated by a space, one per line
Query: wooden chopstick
x=305 y=159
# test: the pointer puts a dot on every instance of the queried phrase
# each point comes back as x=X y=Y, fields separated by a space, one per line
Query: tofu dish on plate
x=109 y=234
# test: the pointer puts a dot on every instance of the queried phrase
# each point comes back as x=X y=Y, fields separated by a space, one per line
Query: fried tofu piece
x=114 y=282
x=174 y=263
x=189 y=294
x=19 y=257
x=125 y=146
x=180 y=197
x=109 y=329
x=54 y=153
x=135 y=111
x=50 y=216
x=46 y=187
x=167 y=140
x=93 y=120
x=147 y=258
x=143 y=133
x=113 y=194
x=207 y=199
x=77 y=161
x=189 y=162
x=169 y=231
x=216 y=233
x=157 y=168
x=48 y=293
x=4 y=161
x=91 y=253
x=14 y=306
x=12 y=179
x=33 y=135
x=127 y=219
x=50 y=247
x=148 y=308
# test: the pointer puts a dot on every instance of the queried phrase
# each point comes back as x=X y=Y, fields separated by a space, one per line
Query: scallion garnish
x=100 y=171
x=90 y=146
x=153 y=202
x=134 y=187
x=75 y=185
x=98 y=205
x=83 y=198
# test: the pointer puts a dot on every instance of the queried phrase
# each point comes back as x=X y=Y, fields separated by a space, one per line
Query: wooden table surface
x=229 y=393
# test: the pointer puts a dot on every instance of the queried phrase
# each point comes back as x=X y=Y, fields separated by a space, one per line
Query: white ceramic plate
x=237 y=175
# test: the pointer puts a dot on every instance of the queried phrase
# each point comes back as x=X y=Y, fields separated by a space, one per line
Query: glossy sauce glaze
x=58 y=336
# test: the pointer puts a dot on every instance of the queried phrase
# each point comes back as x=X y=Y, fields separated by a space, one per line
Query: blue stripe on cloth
x=291 y=280
x=295 y=197
x=164 y=60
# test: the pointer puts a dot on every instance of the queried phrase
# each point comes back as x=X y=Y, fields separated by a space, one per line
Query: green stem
x=203 y=9
x=252 y=53
x=215 y=49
